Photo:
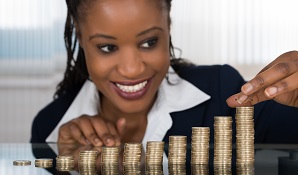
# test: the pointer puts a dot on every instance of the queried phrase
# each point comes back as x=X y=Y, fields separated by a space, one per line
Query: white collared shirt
x=170 y=98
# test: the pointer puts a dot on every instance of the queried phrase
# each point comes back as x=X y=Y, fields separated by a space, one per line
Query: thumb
x=121 y=126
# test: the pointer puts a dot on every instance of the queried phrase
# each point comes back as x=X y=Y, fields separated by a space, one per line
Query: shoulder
x=205 y=77
x=48 y=117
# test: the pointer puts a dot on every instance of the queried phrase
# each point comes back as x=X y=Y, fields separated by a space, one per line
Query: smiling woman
x=126 y=85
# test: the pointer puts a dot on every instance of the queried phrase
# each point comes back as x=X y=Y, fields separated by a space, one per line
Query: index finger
x=265 y=79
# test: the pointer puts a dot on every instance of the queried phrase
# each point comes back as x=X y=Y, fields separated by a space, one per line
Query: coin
x=21 y=162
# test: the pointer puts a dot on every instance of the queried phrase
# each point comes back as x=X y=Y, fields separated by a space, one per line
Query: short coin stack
x=87 y=161
x=65 y=162
x=223 y=140
x=154 y=152
x=21 y=162
x=177 y=149
x=44 y=163
x=245 y=135
x=132 y=153
x=200 y=145
x=109 y=160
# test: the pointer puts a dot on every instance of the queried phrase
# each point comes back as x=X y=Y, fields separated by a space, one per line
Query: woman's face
x=126 y=44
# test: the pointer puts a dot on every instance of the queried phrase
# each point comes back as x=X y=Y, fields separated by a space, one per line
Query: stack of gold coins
x=44 y=163
x=132 y=169
x=154 y=152
x=223 y=140
x=177 y=169
x=132 y=153
x=110 y=169
x=199 y=169
x=21 y=162
x=200 y=145
x=65 y=162
x=245 y=135
x=110 y=160
x=223 y=169
x=110 y=155
x=87 y=162
x=156 y=169
x=245 y=169
x=177 y=149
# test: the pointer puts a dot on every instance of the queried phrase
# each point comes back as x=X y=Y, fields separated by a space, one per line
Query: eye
x=108 y=48
x=149 y=43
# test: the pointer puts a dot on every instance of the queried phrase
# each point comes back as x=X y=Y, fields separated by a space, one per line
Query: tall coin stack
x=245 y=169
x=132 y=169
x=65 y=162
x=177 y=169
x=199 y=169
x=223 y=140
x=132 y=153
x=223 y=169
x=154 y=169
x=200 y=145
x=177 y=149
x=245 y=135
x=87 y=162
x=110 y=160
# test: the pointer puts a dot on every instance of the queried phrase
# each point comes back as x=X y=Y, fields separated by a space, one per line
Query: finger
x=287 y=56
x=86 y=126
x=116 y=141
x=71 y=133
x=102 y=131
x=265 y=79
x=121 y=124
x=232 y=102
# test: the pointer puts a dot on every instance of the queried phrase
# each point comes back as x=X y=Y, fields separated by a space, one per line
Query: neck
x=136 y=123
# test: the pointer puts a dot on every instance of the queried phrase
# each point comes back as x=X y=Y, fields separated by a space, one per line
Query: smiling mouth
x=132 y=88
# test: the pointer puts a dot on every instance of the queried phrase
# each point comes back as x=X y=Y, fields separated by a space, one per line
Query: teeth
x=133 y=88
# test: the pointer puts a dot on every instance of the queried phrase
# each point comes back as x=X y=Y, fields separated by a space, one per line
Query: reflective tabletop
x=269 y=159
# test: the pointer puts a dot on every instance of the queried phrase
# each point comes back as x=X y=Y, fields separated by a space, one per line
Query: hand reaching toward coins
x=92 y=130
x=278 y=81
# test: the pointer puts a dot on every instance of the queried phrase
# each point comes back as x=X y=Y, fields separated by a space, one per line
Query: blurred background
x=247 y=34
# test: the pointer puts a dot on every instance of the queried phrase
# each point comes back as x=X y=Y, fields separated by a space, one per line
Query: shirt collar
x=178 y=96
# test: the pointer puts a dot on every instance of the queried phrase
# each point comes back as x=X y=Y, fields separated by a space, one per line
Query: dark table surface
x=269 y=159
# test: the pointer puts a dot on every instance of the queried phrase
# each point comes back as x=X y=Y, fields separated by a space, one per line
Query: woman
x=124 y=86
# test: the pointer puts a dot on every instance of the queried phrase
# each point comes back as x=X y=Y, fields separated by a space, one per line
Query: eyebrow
x=111 y=37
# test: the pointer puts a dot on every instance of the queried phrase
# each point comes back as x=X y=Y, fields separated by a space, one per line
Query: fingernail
x=97 y=141
x=241 y=99
x=247 y=88
x=271 y=91
x=87 y=142
x=109 y=140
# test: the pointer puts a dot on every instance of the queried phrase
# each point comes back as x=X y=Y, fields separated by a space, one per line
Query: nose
x=131 y=63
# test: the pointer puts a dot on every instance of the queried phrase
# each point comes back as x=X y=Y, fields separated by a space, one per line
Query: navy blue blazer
x=274 y=123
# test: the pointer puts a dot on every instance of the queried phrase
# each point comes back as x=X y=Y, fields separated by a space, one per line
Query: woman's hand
x=92 y=130
x=278 y=81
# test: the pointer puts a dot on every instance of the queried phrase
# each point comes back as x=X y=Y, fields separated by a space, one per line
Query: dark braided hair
x=76 y=70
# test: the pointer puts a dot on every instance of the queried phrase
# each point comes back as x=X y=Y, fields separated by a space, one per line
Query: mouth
x=132 y=90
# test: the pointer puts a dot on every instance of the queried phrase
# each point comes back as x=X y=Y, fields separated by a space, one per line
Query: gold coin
x=21 y=162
